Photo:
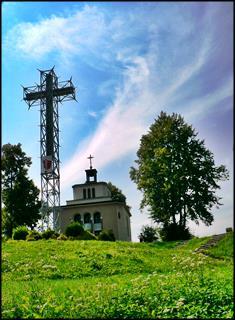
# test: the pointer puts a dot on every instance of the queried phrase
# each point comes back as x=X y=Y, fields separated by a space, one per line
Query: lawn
x=96 y=279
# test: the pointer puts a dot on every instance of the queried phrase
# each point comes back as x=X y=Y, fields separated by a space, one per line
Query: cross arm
x=34 y=95
x=42 y=94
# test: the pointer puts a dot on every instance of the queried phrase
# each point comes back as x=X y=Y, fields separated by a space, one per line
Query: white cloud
x=142 y=94
x=93 y=114
x=106 y=87
x=203 y=105
x=64 y=35
x=134 y=108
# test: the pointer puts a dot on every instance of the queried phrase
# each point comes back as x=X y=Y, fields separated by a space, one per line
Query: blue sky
x=128 y=61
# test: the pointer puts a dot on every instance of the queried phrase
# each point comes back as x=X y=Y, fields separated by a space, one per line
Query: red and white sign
x=47 y=164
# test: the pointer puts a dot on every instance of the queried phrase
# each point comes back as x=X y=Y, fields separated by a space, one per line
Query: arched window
x=87 y=217
x=77 y=218
x=97 y=217
x=97 y=227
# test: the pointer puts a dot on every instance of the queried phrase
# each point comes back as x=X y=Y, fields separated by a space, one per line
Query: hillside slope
x=224 y=249
x=90 y=279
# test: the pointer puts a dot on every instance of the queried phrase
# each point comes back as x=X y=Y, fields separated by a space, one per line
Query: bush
x=148 y=234
x=173 y=232
x=62 y=237
x=49 y=234
x=74 y=229
x=30 y=237
x=106 y=235
x=55 y=235
x=87 y=235
x=33 y=235
x=20 y=233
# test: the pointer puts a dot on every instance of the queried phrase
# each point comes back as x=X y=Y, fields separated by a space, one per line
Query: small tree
x=148 y=234
x=176 y=173
x=19 y=194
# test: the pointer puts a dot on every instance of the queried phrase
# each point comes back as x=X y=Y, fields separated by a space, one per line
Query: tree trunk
x=180 y=222
x=184 y=217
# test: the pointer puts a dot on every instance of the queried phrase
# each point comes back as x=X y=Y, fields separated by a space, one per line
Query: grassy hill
x=95 y=279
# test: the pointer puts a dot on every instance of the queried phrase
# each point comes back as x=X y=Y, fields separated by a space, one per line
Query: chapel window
x=87 y=217
x=89 y=193
x=97 y=217
x=93 y=192
x=84 y=193
x=77 y=218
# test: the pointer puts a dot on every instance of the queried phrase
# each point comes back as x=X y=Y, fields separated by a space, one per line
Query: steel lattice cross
x=48 y=94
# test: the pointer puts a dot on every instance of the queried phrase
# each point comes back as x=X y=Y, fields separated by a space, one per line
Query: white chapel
x=94 y=208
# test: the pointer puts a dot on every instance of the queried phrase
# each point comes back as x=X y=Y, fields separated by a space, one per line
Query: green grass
x=95 y=279
x=224 y=249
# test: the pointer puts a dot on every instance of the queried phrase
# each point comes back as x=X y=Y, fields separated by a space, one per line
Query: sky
x=129 y=61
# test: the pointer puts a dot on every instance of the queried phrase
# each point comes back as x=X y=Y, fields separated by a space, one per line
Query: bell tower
x=91 y=174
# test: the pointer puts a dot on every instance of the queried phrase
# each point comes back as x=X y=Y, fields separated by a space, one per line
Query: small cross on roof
x=90 y=161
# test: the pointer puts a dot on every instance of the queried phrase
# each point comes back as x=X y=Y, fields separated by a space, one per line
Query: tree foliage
x=106 y=235
x=20 y=233
x=74 y=229
x=116 y=194
x=176 y=173
x=19 y=194
x=174 y=231
x=148 y=234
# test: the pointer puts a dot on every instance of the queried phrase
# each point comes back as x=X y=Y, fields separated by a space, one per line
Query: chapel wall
x=101 y=190
x=108 y=213
x=123 y=221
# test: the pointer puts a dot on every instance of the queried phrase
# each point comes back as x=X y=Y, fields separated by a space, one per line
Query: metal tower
x=47 y=95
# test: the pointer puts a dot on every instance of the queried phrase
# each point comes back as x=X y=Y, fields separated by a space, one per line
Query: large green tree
x=116 y=193
x=176 y=173
x=19 y=194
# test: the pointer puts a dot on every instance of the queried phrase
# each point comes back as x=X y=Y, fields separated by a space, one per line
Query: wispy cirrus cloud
x=93 y=114
x=134 y=108
x=63 y=35
x=152 y=71
x=129 y=63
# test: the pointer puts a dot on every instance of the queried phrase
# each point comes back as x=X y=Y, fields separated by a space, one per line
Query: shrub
x=20 y=233
x=30 y=237
x=148 y=234
x=173 y=231
x=74 y=229
x=34 y=234
x=106 y=235
x=62 y=237
x=87 y=235
x=48 y=234
x=55 y=235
